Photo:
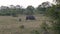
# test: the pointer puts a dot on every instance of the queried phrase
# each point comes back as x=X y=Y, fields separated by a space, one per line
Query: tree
x=30 y=10
x=43 y=7
x=5 y=10
x=19 y=9
x=57 y=1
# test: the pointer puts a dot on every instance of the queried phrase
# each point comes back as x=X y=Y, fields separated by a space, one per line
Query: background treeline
x=16 y=10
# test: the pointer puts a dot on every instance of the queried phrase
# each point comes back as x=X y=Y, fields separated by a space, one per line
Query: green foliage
x=54 y=13
x=44 y=26
x=41 y=10
x=30 y=10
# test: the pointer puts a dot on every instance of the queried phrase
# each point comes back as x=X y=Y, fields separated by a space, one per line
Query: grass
x=11 y=25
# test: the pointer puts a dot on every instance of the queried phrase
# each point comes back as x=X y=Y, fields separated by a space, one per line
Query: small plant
x=22 y=26
x=19 y=19
x=35 y=32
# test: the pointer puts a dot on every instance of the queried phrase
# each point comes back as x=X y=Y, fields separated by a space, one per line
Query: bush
x=22 y=26
x=19 y=19
x=34 y=32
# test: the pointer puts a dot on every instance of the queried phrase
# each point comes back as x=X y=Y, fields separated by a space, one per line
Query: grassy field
x=11 y=25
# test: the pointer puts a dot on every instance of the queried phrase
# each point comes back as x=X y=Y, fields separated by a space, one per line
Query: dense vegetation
x=54 y=13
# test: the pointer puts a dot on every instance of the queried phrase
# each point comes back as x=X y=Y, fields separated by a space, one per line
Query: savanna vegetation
x=47 y=19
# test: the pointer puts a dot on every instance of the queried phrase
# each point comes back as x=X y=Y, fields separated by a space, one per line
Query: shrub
x=22 y=26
